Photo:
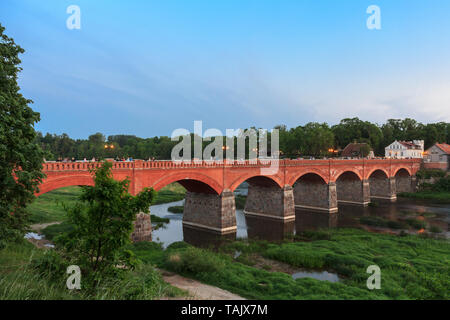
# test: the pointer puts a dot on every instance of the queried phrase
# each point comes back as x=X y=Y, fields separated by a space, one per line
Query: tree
x=20 y=157
x=103 y=223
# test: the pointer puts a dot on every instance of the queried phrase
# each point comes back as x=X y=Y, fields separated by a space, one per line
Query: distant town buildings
x=405 y=149
x=437 y=157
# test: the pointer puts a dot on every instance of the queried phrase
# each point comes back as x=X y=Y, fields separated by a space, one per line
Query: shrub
x=430 y=173
x=194 y=261
x=176 y=209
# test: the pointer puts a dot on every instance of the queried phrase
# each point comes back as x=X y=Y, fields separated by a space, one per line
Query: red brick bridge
x=316 y=185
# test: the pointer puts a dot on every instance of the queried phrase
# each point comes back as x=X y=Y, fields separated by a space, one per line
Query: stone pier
x=142 y=228
x=270 y=201
x=351 y=190
x=312 y=193
x=382 y=187
x=210 y=211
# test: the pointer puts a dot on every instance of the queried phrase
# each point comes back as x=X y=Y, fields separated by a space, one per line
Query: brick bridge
x=316 y=185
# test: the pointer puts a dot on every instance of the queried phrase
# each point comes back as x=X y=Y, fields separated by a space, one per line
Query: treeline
x=312 y=139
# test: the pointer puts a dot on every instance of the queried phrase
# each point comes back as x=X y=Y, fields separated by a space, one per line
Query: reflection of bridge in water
x=313 y=185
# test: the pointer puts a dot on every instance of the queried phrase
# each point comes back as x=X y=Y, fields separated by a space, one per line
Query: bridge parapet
x=159 y=164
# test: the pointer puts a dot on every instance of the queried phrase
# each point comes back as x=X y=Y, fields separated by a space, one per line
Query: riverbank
x=412 y=267
x=442 y=197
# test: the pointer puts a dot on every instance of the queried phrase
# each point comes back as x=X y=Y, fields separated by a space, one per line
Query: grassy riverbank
x=443 y=197
x=412 y=267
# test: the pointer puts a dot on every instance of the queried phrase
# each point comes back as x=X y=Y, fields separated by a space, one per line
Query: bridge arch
x=402 y=169
x=192 y=181
x=351 y=188
x=313 y=192
x=403 y=181
x=292 y=180
x=380 y=185
x=65 y=181
x=378 y=169
x=348 y=173
x=257 y=179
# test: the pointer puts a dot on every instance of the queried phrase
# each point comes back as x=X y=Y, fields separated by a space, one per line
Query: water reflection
x=270 y=229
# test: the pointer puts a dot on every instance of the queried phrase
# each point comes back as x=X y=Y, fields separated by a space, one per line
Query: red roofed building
x=437 y=156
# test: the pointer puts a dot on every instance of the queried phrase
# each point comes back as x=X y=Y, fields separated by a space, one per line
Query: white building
x=405 y=149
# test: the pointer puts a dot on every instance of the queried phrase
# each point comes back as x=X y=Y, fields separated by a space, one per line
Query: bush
x=194 y=261
x=50 y=265
x=430 y=173
x=416 y=224
x=176 y=209
x=54 y=230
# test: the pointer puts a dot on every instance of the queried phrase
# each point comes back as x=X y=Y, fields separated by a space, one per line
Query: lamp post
x=108 y=147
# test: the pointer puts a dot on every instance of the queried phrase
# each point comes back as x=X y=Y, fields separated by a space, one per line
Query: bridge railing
x=167 y=164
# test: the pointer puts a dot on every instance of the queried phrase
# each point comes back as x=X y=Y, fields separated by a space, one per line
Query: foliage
x=193 y=261
x=441 y=197
x=103 y=222
x=311 y=139
x=170 y=193
x=27 y=273
x=176 y=209
x=430 y=173
x=52 y=231
x=51 y=206
x=20 y=157
x=412 y=267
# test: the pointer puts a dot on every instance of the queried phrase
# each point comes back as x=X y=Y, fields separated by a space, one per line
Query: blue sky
x=150 y=67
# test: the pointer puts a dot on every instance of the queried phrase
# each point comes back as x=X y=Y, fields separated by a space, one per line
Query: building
x=437 y=157
x=405 y=149
x=358 y=150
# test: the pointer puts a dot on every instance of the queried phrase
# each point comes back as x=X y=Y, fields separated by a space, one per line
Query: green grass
x=412 y=267
x=170 y=193
x=176 y=209
x=21 y=280
x=52 y=231
x=48 y=207
x=443 y=197
x=240 y=201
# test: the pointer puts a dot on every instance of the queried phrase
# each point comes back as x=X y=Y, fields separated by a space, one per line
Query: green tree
x=20 y=157
x=103 y=223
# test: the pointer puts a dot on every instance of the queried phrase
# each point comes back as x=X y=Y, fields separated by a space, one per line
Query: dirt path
x=198 y=290
x=39 y=226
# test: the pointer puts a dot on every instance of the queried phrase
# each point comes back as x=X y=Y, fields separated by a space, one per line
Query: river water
x=432 y=214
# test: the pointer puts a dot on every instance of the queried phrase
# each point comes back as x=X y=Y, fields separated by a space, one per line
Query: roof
x=444 y=147
x=410 y=145
x=353 y=149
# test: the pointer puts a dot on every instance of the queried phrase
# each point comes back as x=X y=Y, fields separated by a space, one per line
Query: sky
x=149 y=67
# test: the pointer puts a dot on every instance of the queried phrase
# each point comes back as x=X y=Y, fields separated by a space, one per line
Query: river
x=404 y=214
